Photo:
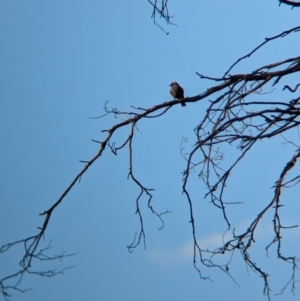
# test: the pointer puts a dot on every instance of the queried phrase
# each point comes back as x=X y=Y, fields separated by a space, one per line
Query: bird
x=177 y=92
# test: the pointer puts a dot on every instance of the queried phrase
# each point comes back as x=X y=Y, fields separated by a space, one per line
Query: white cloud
x=186 y=252
x=263 y=233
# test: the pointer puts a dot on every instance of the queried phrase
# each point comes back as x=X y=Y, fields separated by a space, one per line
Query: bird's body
x=177 y=92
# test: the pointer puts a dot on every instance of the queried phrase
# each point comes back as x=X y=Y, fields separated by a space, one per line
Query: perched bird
x=177 y=92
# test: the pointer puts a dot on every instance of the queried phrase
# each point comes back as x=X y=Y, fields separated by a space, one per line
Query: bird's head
x=173 y=84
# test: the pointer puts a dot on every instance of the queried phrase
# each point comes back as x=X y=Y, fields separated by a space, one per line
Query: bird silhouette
x=177 y=92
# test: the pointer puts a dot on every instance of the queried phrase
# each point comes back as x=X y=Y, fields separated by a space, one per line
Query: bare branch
x=233 y=118
x=290 y=3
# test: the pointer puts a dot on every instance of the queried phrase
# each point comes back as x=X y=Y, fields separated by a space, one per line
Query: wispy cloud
x=179 y=255
x=185 y=252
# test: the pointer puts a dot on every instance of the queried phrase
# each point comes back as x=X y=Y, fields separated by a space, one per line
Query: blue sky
x=60 y=61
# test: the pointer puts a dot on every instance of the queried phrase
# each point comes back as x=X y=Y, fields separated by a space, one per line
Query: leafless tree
x=237 y=115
